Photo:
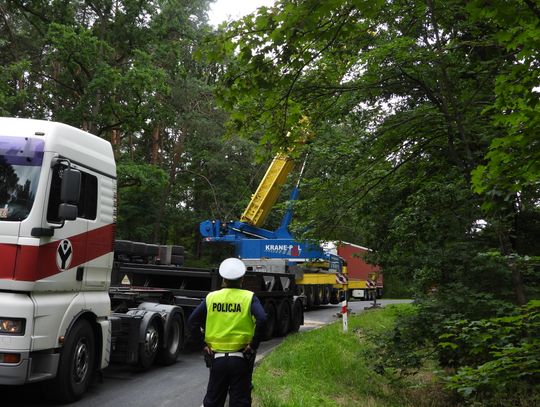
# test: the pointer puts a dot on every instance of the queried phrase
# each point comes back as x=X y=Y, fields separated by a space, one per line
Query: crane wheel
x=270 y=310
x=310 y=296
x=327 y=291
x=297 y=315
x=317 y=294
x=334 y=296
x=284 y=316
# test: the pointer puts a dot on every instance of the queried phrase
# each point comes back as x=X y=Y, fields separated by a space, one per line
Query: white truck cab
x=57 y=219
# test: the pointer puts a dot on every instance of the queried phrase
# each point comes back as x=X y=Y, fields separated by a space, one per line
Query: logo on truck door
x=64 y=254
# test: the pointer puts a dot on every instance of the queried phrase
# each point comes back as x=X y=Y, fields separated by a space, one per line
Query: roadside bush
x=495 y=357
x=415 y=335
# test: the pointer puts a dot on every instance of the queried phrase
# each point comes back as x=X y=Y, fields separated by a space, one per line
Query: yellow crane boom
x=268 y=191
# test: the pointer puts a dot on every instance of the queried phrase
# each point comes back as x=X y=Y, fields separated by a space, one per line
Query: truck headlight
x=12 y=326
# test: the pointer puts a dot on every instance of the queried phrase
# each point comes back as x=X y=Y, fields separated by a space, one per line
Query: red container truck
x=365 y=280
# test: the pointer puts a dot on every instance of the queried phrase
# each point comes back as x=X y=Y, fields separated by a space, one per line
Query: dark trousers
x=230 y=374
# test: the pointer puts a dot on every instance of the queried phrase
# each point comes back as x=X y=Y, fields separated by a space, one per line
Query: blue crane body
x=252 y=242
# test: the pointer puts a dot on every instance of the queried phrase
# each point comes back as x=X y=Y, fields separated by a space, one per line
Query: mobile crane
x=321 y=276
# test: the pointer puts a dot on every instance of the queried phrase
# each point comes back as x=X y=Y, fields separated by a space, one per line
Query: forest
x=417 y=117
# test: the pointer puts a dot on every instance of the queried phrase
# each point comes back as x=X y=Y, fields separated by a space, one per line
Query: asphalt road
x=180 y=385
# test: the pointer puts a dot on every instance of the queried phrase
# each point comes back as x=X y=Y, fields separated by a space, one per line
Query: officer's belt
x=223 y=354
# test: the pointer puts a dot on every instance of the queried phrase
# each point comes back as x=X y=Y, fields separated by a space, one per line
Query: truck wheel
x=270 y=310
x=151 y=250
x=283 y=321
x=175 y=340
x=76 y=363
x=149 y=348
x=334 y=296
x=310 y=296
x=297 y=316
x=123 y=247
x=317 y=294
x=178 y=251
x=138 y=249
x=327 y=290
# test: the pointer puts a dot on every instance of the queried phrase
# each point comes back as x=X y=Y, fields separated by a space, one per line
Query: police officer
x=233 y=320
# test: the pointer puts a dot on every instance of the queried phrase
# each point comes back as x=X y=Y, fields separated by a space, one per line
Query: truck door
x=63 y=253
x=97 y=206
x=85 y=244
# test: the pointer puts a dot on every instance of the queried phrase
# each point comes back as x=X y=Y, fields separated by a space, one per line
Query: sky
x=223 y=10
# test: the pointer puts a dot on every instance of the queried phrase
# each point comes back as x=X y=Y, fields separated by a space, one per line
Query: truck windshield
x=20 y=165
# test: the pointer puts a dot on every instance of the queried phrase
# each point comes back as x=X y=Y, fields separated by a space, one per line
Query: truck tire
x=270 y=310
x=310 y=296
x=327 y=291
x=148 y=349
x=76 y=364
x=297 y=315
x=123 y=247
x=317 y=294
x=283 y=320
x=175 y=341
x=334 y=296
x=178 y=251
x=138 y=249
x=151 y=250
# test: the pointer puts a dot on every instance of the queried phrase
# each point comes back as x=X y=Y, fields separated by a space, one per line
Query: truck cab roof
x=81 y=147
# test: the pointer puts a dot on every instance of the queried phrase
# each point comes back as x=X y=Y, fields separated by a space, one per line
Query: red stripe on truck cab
x=33 y=263
x=8 y=254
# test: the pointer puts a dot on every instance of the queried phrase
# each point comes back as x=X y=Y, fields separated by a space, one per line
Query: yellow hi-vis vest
x=229 y=323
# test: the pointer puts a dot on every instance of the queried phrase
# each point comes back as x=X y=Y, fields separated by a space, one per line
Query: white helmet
x=232 y=268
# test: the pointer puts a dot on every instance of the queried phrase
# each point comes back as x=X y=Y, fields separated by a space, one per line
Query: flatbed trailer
x=187 y=286
x=139 y=338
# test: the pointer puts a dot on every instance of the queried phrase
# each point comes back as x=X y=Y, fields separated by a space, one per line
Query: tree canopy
x=125 y=71
x=423 y=149
x=422 y=116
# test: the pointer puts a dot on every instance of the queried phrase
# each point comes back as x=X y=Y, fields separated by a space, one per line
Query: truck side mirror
x=70 y=191
x=68 y=211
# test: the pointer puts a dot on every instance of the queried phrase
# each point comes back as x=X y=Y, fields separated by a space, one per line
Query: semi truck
x=72 y=298
x=322 y=273
x=365 y=281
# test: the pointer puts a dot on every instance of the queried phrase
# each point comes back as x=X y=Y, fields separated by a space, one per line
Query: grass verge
x=326 y=367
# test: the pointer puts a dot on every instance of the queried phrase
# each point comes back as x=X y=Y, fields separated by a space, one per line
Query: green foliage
x=513 y=159
x=396 y=94
x=326 y=367
x=495 y=357
x=403 y=349
x=414 y=337
x=10 y=74
x=125 y=71
x=138 y=186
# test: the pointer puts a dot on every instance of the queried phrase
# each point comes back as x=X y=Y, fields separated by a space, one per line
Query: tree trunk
x=517 y=278
x=179 y=148
x=154 y=149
